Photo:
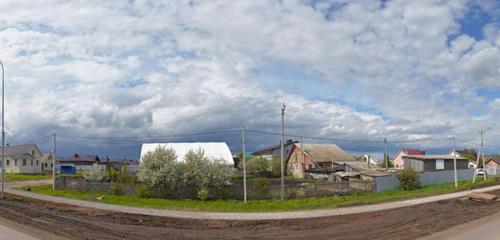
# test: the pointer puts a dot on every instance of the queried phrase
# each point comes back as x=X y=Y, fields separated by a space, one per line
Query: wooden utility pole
x=455 y=162
x=54 y=162
x=386 y=156
x=283 y=152
x=244 y=164
x=480 y=155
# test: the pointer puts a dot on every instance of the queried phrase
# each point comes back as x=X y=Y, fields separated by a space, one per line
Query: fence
x=493 y=170
x=391 y=182
x=259 y=188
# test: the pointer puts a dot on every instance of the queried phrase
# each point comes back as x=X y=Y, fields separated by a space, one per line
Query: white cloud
x=167 y=66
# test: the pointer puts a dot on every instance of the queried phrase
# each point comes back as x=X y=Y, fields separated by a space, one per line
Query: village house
x=24 y=158
x=431 y=163
x=398 y=160
x=47 y=162
x=492 y=161
x=275 y=151
x=76 y=163
x=315 y=158
x=212 y=150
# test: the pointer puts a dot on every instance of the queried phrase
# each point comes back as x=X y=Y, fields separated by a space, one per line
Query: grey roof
x=376 y=173
x=19 y=149
x=325 y=152
x=79 y=158
x=433 y=157
x=360 y=166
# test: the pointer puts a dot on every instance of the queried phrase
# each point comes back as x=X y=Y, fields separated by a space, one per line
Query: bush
x=203 y=194
x=276 y=167
x=158 y=170
x=199 y=172
x=408 y=179
x=260 y=187
x=115 y=189
x=143 y=190
x=95 y=174
x=258 y=166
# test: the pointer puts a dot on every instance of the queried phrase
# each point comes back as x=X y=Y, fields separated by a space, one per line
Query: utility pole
x=455 y=162
x=480 y=155
x=386 y=157
x=244 y=164
x=283 y=152
x=54 y=163
x=3 y=128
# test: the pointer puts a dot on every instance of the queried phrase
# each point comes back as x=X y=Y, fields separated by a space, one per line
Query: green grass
x=262 y=205
x=15 y=177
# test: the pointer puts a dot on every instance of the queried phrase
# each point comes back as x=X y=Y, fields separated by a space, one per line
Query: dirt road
x=83 y=223
x=7 y=233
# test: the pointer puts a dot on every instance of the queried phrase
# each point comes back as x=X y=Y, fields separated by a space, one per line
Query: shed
x=431 y=163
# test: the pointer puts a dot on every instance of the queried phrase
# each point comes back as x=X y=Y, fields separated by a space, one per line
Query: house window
x=15 y=162
x=8 y=162
x=439 y=164
x=24 y=162
x=37 y=162
x=33 y=152
x=31 y=162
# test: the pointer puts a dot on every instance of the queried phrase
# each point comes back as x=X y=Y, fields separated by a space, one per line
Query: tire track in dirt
x=83 y=223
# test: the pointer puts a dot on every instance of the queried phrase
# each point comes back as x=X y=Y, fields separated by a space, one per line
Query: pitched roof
x=273 y=147
x=213 y=150
x=495 y=158
x=325 y=152
x=413 y=152
x=80 y=158
x=19 y=149
x=433 y=157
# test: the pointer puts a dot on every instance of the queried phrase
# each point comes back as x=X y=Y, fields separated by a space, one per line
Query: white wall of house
x=22 y=165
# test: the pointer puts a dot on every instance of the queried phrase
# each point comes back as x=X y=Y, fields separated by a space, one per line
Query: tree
x=258 y=166
x=158 y=170
x=201 y=174
x=95 y=174
x=409 y=179
x=388 y=161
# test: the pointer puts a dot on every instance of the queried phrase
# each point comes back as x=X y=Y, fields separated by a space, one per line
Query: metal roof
x=325 y=152
x=433 y=157
x=213 y=150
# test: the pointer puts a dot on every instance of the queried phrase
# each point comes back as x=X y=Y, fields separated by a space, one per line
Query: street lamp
x=3 y=129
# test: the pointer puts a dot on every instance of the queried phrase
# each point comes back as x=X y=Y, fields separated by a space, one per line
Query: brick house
x=315 y=157
x=398 y=160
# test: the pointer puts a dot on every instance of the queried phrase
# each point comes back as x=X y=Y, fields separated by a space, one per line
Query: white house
x=23 y=158
x=213 y=150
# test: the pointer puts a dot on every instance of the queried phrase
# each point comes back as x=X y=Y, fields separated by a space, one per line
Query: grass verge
x=20 y=177
x=263 y=205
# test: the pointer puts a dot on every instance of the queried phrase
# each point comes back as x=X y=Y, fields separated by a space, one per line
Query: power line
x=153 y=136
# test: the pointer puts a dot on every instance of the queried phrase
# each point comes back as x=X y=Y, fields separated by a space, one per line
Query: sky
x=106 y=76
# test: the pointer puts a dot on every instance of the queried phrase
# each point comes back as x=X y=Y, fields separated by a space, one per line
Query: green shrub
x=276 y=167
x=95 y=174
x=143 y=190
x=115 y=189
x=409 y=179
x=203 y=194
x=260 y=187
x=159 y=170
x=257 y=166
